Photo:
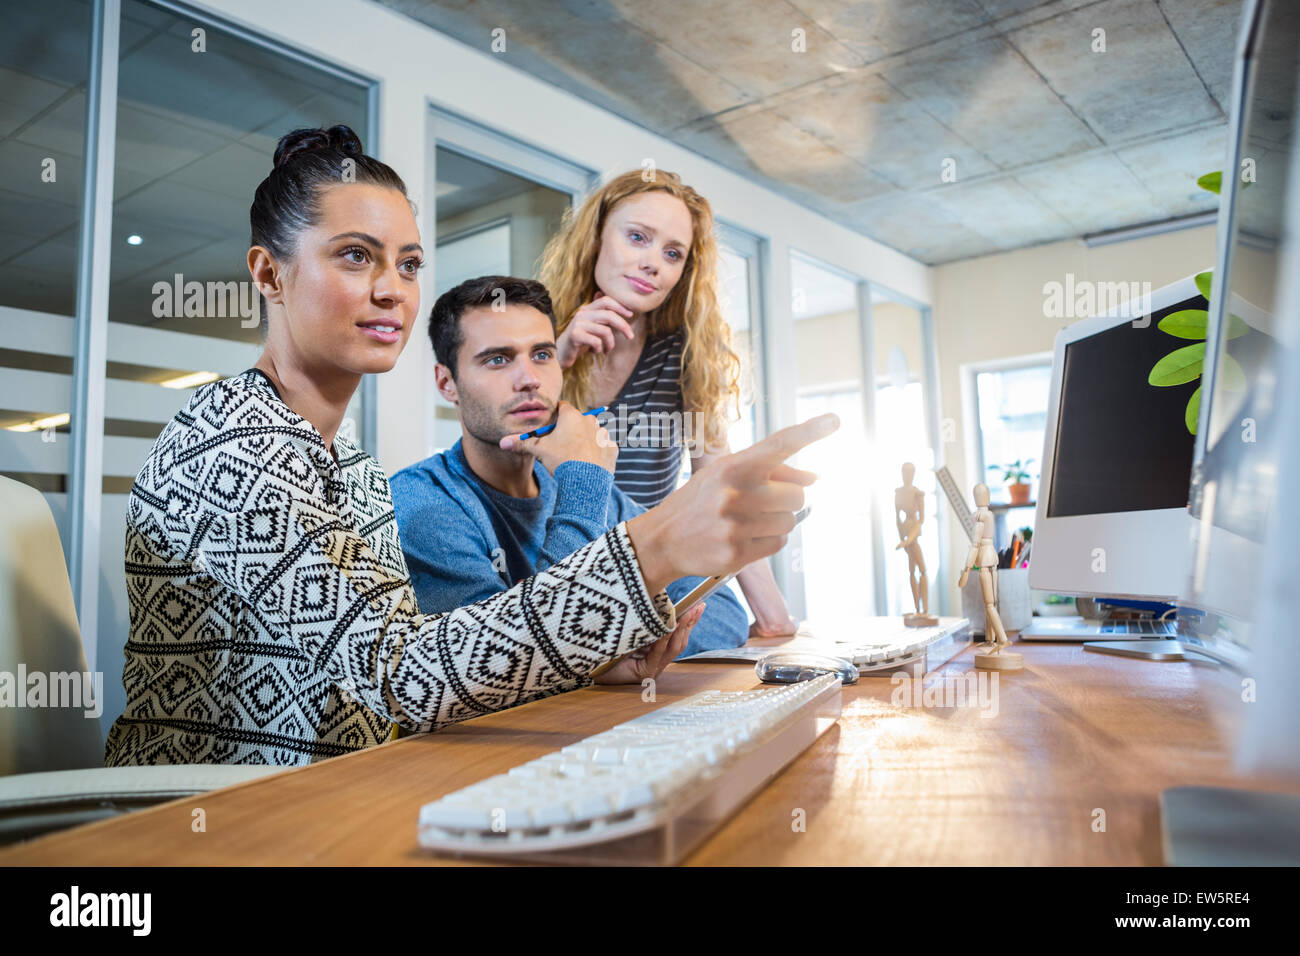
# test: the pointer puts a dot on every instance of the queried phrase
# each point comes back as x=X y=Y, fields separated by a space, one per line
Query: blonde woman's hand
x=592 y=328
x=786 y=628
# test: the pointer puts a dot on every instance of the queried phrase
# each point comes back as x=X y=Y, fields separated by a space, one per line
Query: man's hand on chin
x=576 y=437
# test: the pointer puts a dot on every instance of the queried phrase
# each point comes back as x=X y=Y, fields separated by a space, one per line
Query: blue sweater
x=464 y=541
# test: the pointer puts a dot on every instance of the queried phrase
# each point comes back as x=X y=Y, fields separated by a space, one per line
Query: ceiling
x=1044 y=138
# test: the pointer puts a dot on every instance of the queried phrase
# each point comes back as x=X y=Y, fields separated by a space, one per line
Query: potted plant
x=1016 y=475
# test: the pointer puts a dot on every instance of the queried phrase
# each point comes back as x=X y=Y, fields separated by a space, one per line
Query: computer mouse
x=788 y=667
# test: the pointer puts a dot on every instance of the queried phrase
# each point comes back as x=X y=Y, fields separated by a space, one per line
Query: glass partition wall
x=134 y=135
x=43 y=159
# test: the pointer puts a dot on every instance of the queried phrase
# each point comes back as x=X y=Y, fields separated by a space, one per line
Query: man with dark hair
x=485 y=514
x=494 y=292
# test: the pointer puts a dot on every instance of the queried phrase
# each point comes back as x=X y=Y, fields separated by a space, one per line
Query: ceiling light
x=193 y=380
x=1142 y=230
x=52 y=421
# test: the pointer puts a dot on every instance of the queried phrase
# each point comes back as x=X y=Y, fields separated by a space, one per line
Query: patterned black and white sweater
x=272 y=616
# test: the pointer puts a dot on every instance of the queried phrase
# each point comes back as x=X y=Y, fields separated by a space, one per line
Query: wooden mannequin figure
x=909 y=514
x=983 y=558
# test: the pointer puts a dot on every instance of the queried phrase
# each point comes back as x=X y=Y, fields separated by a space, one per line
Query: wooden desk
x=889 y=784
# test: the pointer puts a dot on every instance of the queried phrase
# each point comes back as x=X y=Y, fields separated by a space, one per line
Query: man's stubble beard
x=487 y=427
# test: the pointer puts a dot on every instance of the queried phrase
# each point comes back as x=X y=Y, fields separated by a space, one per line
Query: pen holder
x=1013 y=600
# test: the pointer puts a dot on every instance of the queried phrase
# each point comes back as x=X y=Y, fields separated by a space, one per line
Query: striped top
x=647 y=422
x=272 y=615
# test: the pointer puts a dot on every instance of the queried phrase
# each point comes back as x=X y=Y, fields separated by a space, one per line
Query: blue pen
x=547 y=429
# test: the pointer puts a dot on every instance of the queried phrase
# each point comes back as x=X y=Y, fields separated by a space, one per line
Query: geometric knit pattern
x=272 y=619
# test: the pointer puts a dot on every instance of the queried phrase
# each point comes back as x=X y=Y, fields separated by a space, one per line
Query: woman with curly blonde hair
x=633 y=278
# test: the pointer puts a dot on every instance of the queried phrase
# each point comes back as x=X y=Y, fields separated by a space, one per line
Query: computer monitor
x=1112 y=517
x=1239 y=604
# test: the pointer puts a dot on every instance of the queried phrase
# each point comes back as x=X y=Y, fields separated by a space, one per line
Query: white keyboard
x=644 y=791
x=883 y=642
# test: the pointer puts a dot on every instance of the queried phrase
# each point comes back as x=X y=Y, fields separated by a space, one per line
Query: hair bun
x=299 y=141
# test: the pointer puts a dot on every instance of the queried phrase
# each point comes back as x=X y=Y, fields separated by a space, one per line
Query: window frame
x=976 y=466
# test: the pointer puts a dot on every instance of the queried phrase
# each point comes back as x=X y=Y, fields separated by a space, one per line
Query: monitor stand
x=1219 y=826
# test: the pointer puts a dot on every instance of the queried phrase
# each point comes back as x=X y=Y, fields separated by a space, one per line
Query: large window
x=1011 y=413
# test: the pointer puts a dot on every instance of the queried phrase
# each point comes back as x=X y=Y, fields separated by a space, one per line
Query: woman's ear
x=266 y=274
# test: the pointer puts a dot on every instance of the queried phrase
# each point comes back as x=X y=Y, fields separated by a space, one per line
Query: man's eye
x=543 y=354
x=496 y=358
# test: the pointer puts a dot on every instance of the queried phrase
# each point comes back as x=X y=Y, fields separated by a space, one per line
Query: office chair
x=51 y=758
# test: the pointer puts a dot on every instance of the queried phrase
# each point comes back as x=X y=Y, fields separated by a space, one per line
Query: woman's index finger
x=761 y=458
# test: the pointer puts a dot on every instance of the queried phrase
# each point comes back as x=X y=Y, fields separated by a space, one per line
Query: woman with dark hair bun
x=288 y=200
x=272 y=616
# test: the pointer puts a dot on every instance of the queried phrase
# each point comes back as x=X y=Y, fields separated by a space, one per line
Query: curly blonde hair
x=710 y=377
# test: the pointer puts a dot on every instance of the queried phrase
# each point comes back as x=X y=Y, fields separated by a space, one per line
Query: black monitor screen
x=1122 y=443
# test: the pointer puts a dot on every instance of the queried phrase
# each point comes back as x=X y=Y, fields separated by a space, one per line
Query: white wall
x=418 y=66
x=991 y=307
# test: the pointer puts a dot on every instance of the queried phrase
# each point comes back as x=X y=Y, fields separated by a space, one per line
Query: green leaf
x=1179 y=366
x=1237 y=327
x=1203 y=283
x=1186 y=323
x=1234 y=376
x=1193 y=410
x=1211 y=182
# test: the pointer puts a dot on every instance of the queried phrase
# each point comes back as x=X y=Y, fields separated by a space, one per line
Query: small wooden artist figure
x=909 y=514
x=983 y=558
